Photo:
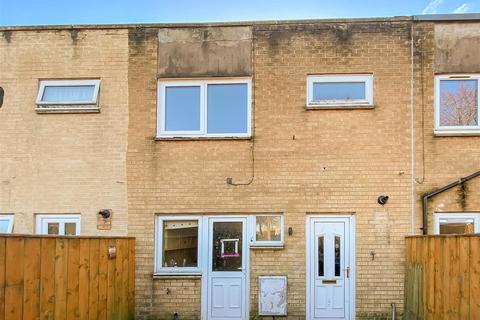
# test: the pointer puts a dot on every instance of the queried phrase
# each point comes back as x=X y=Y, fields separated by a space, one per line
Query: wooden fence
x=43 y=277
x=442 y=278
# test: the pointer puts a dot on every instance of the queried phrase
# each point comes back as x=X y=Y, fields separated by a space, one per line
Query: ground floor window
x=6 y=223
x=177 y=242
x=267 y=230
x=457 y=223
x=58 y=224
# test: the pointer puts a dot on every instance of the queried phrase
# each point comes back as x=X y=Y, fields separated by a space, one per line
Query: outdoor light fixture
x=290 y=231
x=105 y=213
x=382 y=200
x=2 y=93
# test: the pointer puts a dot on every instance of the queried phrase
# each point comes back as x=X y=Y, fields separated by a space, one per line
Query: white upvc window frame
x=10 y=219
x=455 y=130
x=456 y=217
x=340 y=78
x=159 y=268
x=42 y=220
x=203 y=84
x=253 y=227
x=86 y=105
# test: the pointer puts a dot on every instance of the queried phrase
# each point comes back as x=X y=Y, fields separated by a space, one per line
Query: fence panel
x=43 y=277
x=442 y=279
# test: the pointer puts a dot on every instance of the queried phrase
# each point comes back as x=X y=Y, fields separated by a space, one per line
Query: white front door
x=227 y=269
x=329 y=267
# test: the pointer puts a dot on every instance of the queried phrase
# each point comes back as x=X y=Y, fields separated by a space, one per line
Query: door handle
x=347 y=270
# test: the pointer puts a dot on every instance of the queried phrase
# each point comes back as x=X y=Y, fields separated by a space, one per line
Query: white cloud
x=432 y=7
x=464 y=8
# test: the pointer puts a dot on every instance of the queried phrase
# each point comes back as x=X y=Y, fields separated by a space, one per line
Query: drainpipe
x=394 y=310
x=429 y=195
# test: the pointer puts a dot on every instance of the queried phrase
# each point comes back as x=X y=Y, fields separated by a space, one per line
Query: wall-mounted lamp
x=290 y=231
x=382 y=200
x=105 y=213
x=2 y=93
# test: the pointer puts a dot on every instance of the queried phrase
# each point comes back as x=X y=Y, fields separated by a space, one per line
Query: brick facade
x=63 y=163
x=298 y=162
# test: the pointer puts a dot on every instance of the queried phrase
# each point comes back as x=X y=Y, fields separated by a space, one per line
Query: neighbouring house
x=238 y=150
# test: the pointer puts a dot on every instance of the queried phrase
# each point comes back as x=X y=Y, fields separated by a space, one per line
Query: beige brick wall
x=63 y=163
x=322 y=161
x=441 y=160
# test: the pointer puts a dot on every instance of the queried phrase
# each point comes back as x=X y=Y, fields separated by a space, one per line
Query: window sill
x=167 y=138
x=456 y=133
x=267 y=247
x=67 y=110
x=339 y=106
x=173 y=275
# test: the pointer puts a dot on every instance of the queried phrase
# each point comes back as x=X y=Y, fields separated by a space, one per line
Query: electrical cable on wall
x=229 y=180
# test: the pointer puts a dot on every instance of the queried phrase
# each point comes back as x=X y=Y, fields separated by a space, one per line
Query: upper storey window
x=68 y=95
x=339 y=91
x=457 y=104
x=204 y=108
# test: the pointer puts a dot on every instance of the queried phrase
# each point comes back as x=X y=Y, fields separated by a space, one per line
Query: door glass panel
x=53 y=228
x=70 y=228
x=227 y=246
x=321 y=257
x=337 y=256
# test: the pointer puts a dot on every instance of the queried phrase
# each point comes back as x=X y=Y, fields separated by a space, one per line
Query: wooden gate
x=44 y=277
x=442 y=277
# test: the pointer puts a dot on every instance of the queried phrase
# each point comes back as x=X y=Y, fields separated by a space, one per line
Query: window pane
x=68 y=93
x=458 y=103
x=227 y=246
x=268 y=228
x=182 y=108
x=338 y=91
x=466 y=227
x=321 y=257
x=4 y=224
x=180 y=243
x=227 y=108
x=70 y=229
x=53 y=228
x=337 y=256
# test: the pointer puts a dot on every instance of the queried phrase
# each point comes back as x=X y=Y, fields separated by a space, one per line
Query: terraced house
x=236 y=152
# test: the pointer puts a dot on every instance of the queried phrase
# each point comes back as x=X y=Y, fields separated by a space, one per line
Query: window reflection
x=180 y=243
x=337 y=256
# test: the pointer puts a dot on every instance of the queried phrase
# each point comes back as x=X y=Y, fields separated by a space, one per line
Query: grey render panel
x=205 y=52
x=456 y=47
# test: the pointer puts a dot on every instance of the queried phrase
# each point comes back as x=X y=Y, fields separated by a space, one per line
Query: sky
x=51 y=12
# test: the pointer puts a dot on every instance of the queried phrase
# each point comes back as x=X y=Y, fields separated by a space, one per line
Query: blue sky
x=35 y=12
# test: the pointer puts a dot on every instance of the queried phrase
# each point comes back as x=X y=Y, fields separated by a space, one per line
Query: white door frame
x=310 y=221
x=205 y=261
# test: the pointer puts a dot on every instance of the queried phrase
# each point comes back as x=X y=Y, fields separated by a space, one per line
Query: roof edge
x=202 y=24
x=448 y=17
x=425 y=17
